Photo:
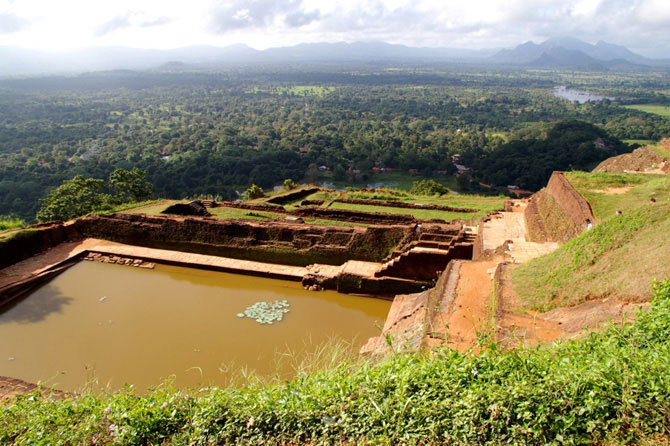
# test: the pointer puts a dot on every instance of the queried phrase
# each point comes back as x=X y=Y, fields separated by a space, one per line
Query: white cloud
x=640 y=24
x=654 y=12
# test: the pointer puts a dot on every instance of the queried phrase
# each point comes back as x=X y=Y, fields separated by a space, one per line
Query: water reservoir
x=105 y=325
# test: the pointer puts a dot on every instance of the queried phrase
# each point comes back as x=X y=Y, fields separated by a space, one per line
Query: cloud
x=118 y=22
x=654 y=11
x=298 y=19
x=10 y=23
x=129 y=20
x=639 y=24
x=240 y=14
x=158 y=21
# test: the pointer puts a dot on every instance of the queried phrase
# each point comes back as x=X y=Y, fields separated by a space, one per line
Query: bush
x=254 y=192
x=10 y=222
x=428 y=187
x=289 y=184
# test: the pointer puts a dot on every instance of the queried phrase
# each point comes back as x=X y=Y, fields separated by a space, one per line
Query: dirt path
x=468 y=311
x=141 y=209
x=613 y=190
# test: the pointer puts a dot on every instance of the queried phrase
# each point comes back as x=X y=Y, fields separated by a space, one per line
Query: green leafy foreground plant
x=607 y=387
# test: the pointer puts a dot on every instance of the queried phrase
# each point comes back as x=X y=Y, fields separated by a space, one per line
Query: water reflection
x=582 y=97
x=29 y=311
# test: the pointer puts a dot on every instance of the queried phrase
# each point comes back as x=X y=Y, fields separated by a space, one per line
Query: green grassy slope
x=618 y=257
x=607 y=388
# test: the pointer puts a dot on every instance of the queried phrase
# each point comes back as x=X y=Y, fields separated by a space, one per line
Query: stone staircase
x=426 y=257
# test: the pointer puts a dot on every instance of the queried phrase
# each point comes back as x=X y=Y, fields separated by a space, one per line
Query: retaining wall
x=33 y=240
x=272 y=242
x=558 y=212
x=293 y=195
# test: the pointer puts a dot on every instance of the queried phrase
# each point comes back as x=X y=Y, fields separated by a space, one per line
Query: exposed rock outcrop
x=643 y=160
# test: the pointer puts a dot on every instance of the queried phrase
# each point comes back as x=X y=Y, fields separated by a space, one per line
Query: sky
x=56 y=25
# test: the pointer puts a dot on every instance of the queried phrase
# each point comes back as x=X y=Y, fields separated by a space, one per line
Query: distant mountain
x=554 y=53
x=568 y=52
x=369 y=52
x=15 y=61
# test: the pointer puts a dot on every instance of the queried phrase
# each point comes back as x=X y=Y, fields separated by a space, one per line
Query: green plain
x=661 y=110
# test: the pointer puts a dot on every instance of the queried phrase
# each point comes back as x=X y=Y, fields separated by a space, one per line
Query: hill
x=553 y=53
x=567 y=52
x=528 y=163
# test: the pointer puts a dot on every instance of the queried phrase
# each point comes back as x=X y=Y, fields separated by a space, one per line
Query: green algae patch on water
x=266 y=312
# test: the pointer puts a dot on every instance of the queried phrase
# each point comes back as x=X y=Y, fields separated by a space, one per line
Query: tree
x=254 y=192
x=73 y=198
x=289 y=184
x=129 y=185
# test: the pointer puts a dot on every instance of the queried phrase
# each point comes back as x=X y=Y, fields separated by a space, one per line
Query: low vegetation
x=607 y=388
x=428 y=187
x=661 y=110
x=254 y=192
x=423 y=214
x=339 y=126
x=616 y=258
x=8 y=222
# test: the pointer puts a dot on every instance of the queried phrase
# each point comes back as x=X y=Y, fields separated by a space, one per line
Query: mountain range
x=555 y=53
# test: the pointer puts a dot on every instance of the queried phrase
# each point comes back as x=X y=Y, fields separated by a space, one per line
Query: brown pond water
x=107 y=325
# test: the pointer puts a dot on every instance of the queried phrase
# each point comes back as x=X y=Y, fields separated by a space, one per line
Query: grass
x=642 y=142
x=642 y=188
x=226 y=213
x=425 y=214
x=616 y=258
x=657 y=147
x=136 y=207
x=21 y=233
x=151 y=209
x=8 y=222
x=484 y=206
x=660 y=150
x=607 y=388
x=484 y=203
x=397 y=180
x=661 y=110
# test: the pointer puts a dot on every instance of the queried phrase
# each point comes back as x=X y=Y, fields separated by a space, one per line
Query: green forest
x=216 y=133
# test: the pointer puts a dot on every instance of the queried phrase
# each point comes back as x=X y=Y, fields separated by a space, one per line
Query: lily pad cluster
x=266 y=312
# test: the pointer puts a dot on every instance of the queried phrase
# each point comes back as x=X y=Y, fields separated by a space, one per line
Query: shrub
x=428 y=187
x=254 y=192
